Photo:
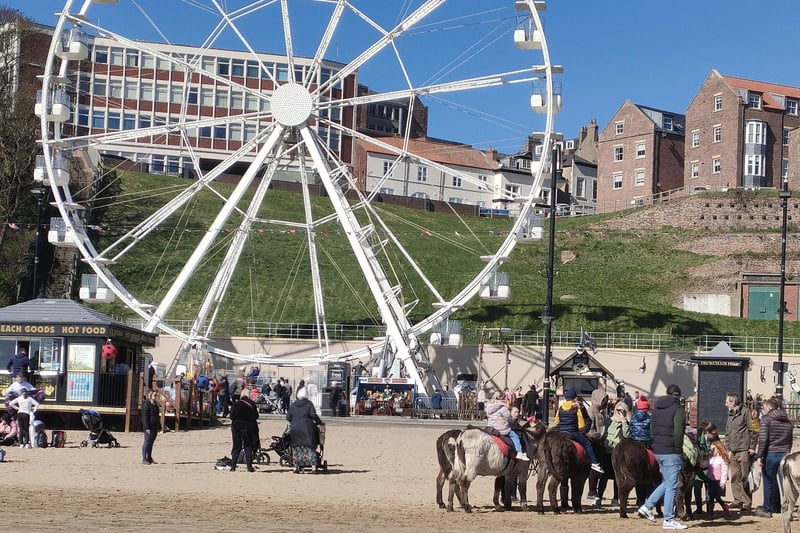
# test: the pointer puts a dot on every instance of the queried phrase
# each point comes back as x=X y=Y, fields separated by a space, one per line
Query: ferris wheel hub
x=291 y=104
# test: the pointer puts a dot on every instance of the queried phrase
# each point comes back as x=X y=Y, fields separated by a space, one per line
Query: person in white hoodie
x=26 y=408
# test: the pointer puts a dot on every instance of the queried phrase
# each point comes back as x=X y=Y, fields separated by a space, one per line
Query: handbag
x=754 y=477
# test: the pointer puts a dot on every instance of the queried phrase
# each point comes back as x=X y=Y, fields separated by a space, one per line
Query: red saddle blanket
x=582 y=457
x=651 y=459
x=506 y=447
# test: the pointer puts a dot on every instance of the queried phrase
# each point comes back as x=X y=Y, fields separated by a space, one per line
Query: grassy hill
x=618 y=281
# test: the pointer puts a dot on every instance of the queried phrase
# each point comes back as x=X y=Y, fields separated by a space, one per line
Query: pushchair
x=282 y=446
x=98 y=434
x=267 y=404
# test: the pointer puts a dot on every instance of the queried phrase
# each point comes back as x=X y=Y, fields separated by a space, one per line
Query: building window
x=716 y=134
x=251 y=102
x=237 y=68
x=512 y=190
x=754 y=100
x=786 y=136
x=98 y=120
x=99 y=87
x=113 y=120
x=207 y=96
x=640 y=150
x=666 y=122
x=129 y=121
x=619 y=153
x=484 y=183
x=420 y=195
x=616 y=179
x=695 y=139
x=695 y=170
x=716 y=165
x=162 y=92
x=791 y=106
x=756 y=132
x=117 y=57
x=422 y=174
x=386 y=190
x=115 y=89
x=235 y=132
x=130 y=90
x=453 y=200
x=223 y=67
x=754 y=166
x=638 y=178
x=176 y=94
x=101 y=55
x=220 y=132
x=717 y=102
x=387 y=167
x=619 y=128
x=132 y=58
x=580 y=187
x=457 y=182
x=222 y=98
x=146 y=92
x=784 y=168
x=204 y=132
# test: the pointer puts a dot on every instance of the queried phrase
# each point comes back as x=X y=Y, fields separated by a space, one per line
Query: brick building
x=640 y=154
x=738 y=133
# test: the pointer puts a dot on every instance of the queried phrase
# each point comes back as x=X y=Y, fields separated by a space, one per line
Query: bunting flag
x=586 y=340
x=13 y=226
x=98 y=229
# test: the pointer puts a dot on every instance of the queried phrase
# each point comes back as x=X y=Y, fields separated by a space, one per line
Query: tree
x=21 y=57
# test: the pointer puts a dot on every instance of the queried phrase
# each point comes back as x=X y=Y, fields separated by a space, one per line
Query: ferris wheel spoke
x=216 y=227
x=326 y=39
x=423 y=11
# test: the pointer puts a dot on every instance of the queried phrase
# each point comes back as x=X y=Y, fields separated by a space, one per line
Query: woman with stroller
x=304 y=432
x=151 y=423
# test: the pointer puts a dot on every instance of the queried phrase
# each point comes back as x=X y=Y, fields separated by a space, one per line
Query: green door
x=762 y=303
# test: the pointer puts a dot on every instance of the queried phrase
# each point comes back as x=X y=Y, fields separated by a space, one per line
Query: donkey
x=633 y=467
x=790 y=470
x=446 y=454
x=559 y=462
x=477 y=454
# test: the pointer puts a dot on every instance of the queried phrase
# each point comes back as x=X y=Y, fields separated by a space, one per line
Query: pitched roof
x=768 y=91
x=438 y=152
x=52 y=311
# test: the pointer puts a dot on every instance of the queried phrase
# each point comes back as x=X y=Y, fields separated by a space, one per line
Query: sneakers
x=522 y=456
x=644 y=512
x=592 y=496
x=597 y=468
x=673 y=524
x=762 y=513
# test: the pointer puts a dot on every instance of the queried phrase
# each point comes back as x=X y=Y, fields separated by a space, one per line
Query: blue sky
x=653 y=53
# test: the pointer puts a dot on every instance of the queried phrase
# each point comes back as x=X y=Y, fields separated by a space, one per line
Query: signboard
x=80 y=386
x=715 y=379
x=80 y=330
x=81 y=358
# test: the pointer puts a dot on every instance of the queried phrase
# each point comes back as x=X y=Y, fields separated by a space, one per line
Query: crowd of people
x=751 y=440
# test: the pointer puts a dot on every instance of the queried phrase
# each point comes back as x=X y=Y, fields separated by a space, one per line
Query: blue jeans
x=584 y=441
x=670 y=465
x=515 y=439
x=147 y=445
x=771 y=476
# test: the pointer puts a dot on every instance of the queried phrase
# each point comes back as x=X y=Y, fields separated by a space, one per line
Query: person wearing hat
x=26 y=408
x=640 y=421
x=569 y=419
x=667 y=427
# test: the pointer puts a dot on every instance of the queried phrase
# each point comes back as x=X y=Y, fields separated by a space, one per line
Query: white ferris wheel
x=242 y=97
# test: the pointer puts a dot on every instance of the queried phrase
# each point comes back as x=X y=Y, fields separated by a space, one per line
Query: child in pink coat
x=717 y=477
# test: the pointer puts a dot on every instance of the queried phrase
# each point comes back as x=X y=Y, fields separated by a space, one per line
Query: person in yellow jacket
x=569 y=419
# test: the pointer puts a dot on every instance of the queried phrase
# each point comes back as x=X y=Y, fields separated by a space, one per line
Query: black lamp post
x=40 y=194
x=547 y=312
x=784 y=194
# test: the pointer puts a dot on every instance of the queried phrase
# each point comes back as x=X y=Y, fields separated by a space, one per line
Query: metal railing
x=609 y=340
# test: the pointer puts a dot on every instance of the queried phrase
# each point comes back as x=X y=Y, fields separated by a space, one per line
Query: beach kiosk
x=719 y=372
x=79 y=356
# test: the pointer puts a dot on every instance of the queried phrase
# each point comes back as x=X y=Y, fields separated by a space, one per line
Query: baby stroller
x=98 y=434
x=267 y=404
x=282 y=446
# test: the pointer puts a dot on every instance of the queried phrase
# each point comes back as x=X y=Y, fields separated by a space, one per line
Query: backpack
x=41 y=440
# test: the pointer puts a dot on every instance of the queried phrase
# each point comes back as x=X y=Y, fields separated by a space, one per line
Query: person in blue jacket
x=569 y=419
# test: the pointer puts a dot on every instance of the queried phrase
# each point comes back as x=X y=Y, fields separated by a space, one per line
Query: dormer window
x=667 y=122
x=791 y=106
x=754 y=100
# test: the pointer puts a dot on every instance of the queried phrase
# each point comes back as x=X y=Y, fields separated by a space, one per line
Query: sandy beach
x=381 y=476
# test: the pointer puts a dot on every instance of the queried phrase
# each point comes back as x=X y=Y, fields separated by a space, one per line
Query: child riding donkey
x=569 y=419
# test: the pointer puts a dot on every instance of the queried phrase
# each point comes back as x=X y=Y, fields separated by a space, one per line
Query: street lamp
x=784 y=194
x=547 y=312
x=40 y=194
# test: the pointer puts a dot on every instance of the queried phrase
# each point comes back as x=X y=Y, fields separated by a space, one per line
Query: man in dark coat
x=304 y=432
x=19 y=364
x=224 y=394
x=530 y=402
x=244 y=430
x=667 y=428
